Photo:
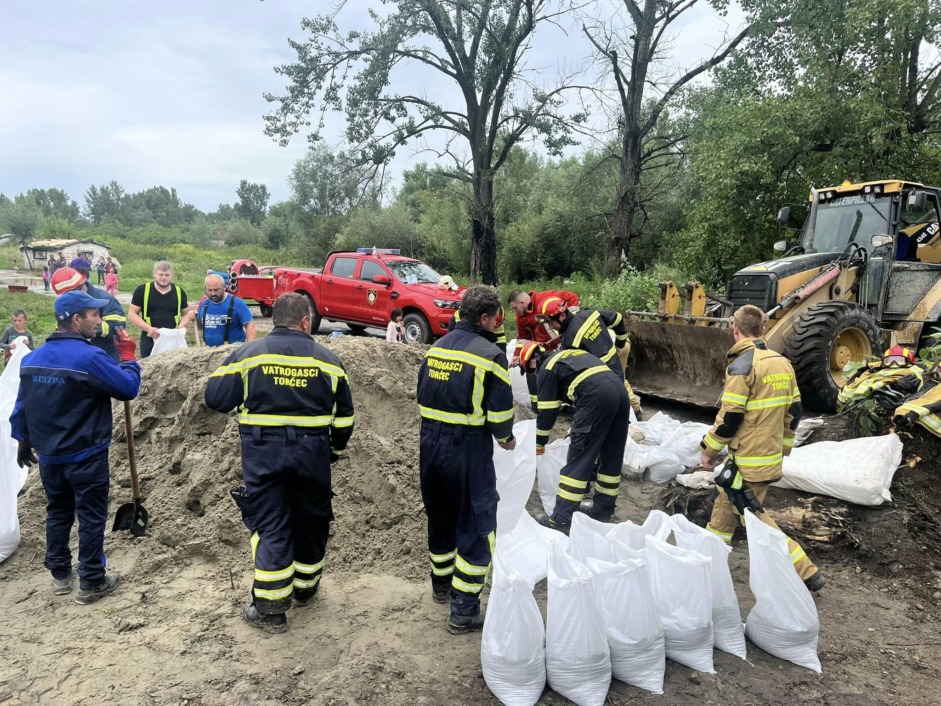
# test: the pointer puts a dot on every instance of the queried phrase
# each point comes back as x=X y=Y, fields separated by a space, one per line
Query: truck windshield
x=413 y=272
x=849 y=219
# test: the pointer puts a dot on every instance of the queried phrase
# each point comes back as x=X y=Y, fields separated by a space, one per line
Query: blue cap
x=80 y=263
x=71 y=303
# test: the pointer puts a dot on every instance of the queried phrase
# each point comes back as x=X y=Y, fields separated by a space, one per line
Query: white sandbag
x=699 y=480
x=679 y=581
x=784 y=621
x=631 y=622
x=516 y=472
x=526 y=548
x=170 y=339
x=856 y=470
x=578 y=660
x=728 y=631
x=549 y=467
x=517 y=380
x=588 y=539
x=12 y=477
x=658 y=524
x=513 y=644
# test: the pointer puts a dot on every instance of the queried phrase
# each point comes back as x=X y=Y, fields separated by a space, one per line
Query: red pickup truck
x=359 y=288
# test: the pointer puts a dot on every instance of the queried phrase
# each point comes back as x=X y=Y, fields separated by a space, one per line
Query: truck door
x=372 y=302
x=338 y=288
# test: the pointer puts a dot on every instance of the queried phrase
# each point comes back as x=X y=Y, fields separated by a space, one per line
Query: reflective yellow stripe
x=610 y=354
x=563 y=354
x=549 y=404
x=576 y=497
x=931 y=422
x=342 y=422
x=308 y=568
x=477 y=395
x=466 y=587
x=293 y=361
x=446 y=571
x=145 y=311
x=306 y=583
x=470 y=569
x=583 y=329
x=275 y=594
x=543 y=432
x=605 y=491
x=279 y=420
x=475 y=360
x=759 y=460
x=119 y=318
x=584 y=375
x=105 y=328
x=609 y=479
x=573 y=482
x=472 y=420
x=789 y=443
x=441 y=558
x=262 y=575
x=737 y=481
x=769 y=403
x=734 y=399
x=726 y=536
x=797 y=555
x=712 y=442
x=497 y=417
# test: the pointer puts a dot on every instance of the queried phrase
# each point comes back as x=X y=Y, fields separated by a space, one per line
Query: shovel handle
x=131 y=451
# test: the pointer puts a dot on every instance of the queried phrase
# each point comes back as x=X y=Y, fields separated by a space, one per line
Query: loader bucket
x=679 y=362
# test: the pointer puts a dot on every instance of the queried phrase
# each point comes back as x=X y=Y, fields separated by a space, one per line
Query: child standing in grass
x=13 y=332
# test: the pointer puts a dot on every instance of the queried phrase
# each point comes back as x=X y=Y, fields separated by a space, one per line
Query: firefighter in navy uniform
x=113 y=318
x=465 y=401
x=599 y=427
x=295 y=417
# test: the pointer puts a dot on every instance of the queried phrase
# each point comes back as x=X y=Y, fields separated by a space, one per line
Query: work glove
x=889 y=398
x=740 y=495
x=125 y=345
x=25 y=456
x=907 y=420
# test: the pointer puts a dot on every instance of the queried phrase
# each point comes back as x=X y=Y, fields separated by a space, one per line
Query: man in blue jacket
x=63 y=411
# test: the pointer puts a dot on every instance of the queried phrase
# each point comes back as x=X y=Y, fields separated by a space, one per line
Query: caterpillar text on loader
x=864 y=274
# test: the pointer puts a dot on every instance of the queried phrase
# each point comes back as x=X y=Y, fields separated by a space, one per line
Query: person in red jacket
x=525 y=305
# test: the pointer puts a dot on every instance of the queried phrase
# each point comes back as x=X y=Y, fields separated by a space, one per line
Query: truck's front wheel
x=824 y=339
x=417 y=329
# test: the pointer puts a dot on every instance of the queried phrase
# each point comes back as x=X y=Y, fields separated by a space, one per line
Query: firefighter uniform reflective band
x=465 y=400
x=588 y=330
x=145 y=310
x=599 y=427
x=295 y=411
x=870 y=380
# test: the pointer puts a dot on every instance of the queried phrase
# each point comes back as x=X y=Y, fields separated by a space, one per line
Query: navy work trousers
x=81 y=489
x=599 y=434
x=288 y=510
x=459 y=489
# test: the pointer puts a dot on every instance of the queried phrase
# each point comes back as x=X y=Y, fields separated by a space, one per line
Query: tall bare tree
x=477 y=47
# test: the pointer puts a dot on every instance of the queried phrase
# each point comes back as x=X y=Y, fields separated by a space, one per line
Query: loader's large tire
x=823 y=340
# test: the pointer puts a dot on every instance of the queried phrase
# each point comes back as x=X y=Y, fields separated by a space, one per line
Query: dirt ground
x=172 y=633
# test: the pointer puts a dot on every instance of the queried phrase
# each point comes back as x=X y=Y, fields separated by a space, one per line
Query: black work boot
x=303 y=597
x=441 y=594
x=99 y=590
x=273 y=622
x=546 y=521
x=815 y=582
x=462 y=624
x=62 y=586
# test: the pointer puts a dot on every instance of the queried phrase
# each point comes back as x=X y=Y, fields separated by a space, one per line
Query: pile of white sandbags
x=666 y=447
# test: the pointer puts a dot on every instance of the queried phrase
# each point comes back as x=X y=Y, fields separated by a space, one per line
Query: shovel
x=133 y=515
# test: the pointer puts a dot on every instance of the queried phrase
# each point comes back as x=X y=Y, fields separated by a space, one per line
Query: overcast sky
x=170 y=93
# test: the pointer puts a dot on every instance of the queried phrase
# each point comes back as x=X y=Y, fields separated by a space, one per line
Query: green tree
x=22 y=220
x=104 y=203
x=253 y=201
x=390 y=227
x=477 y=46
x=325 y=182
x=55 y=203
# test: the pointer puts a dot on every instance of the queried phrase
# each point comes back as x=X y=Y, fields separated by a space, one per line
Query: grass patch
x=38 y=307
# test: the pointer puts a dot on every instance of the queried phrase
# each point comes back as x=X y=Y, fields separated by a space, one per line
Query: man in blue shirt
x=223 y=317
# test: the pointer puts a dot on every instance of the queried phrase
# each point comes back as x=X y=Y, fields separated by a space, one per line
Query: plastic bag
x=679 y=581
x=657 y=524
x=513 y=645
x=526 y=548
x=516 y=472
x=12 y=477
x=549 y=467
x=668 y=447
x=856 y=470
x=784 y=621
x=170 y=339
x=727 y=628
x=578 y=660
x=517 y=381
x=588 y=539
x=631 y=622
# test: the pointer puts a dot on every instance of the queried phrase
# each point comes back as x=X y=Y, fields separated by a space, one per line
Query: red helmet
x=550 y=309
x=898 y=356
x=500 y=317
x=525 y=350
x=65 y=279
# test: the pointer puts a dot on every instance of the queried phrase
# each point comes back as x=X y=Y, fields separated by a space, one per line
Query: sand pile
x=189 y=456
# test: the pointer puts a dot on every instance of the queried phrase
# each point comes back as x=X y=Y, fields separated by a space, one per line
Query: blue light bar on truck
x=379 y=251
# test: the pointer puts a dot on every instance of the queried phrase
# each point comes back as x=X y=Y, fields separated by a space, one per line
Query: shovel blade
x=132 y=516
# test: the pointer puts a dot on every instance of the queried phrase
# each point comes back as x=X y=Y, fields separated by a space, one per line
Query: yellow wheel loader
x=864 y=274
